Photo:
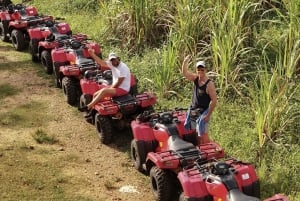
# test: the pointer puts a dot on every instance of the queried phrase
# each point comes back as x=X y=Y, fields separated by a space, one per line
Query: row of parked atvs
x=179 y=169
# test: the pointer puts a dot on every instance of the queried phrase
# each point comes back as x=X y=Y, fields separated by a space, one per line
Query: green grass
x=7 y=90
x=38 y=179
x=43 y=138
x=25 y=116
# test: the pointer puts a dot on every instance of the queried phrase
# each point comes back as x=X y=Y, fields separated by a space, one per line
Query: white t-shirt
x=121 y=71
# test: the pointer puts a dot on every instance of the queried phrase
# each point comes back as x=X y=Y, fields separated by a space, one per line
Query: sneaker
x=88 y=114
x=83 y=109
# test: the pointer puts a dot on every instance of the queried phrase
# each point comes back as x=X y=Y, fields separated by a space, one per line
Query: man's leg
x=102 y=93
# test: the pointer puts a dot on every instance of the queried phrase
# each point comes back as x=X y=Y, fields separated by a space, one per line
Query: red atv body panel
x=171 y=160
x=110 y=108
x=26 y=21
x=91 y=86
x=58 y=55
x=158 y=134
x=31 y=11
x=42 y=32
x=197 y=183
x=5 y=16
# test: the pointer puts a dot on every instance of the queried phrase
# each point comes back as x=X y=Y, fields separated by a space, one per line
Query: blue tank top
x=200 y=99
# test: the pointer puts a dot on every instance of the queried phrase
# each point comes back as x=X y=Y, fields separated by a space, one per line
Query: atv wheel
x=33 y=49
x=104 y=128
x=161 y=184
x=56 y=67
x=46 y=60
x=138 y=154
x=4 y=31
x=70 y=90
x=18 y=40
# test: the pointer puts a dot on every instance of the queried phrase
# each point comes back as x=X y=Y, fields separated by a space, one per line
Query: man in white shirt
x=121 y=78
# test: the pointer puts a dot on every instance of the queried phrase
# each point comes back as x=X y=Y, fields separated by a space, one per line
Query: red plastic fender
x=35 y=33
x=58 y=55
x=193 y=184
x=31 y=11
x=89 y=86
x=63 y=28
x=142 y=131
x=216 y=188
x=164 y=160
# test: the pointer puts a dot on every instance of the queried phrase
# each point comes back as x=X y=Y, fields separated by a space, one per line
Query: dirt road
x=77 y=166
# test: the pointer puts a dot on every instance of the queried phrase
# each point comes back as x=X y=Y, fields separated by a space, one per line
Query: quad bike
x=161 y=141
x=69 y=64
x=226 y=180
x=46 y=36
x=112 y=113
x=16 y=24
x=8 y=12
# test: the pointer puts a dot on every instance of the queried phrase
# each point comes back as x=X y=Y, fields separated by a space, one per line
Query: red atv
x=112 y=113
x=69 y=64
x=226 y=180
x=16 y=27
x=161 y=141
x=46 y=36
x=8 y=12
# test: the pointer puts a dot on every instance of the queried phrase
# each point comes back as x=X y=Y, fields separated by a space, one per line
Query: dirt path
x=77 y=167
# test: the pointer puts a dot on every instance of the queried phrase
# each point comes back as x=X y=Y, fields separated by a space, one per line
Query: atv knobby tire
x=70 y=90
x=161 y=184
x=58 y=81
x=46 y=60
x=18 y=40
x=33 y=49
x=4 y=31
x=104 y=128
x=138 y=154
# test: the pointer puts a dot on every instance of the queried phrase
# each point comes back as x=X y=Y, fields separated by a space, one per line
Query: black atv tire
x=18 y=40
x=4 y=31
x=138 y=155
x=69 y=87
x=104 y=128
x=56 y=74
x=161 y=184
x=46 y=60
x=33 y=49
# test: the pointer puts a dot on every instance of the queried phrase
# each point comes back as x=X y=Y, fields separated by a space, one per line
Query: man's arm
x=118 y=83
x=211 y=90
x=187 y=74
x=96 y=58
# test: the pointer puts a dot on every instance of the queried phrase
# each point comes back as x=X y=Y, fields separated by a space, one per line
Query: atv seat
x=237 y=195
x=175 y=143
x=124 y=99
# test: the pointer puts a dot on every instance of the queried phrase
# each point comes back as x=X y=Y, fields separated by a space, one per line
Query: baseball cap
x=112 y=55
x=200 y=64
